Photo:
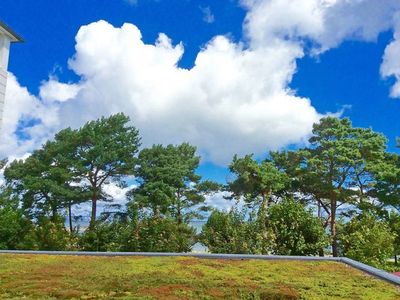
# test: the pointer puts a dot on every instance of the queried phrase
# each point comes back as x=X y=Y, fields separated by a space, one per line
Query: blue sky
x=327 y=66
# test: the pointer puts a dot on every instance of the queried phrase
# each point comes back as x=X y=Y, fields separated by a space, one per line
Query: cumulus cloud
x=235 y=99
x=27 y=121
x=53 y=90
x=391 y=61
x=326 y=24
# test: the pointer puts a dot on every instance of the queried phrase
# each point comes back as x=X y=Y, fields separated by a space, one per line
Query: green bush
x=15 y=228
x=50 y=234
x=151 y=234
x=367 y=239
x=157 y=234
x=297 y=230
x=232 y=232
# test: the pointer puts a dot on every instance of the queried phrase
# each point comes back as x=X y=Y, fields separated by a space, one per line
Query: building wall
x=4 y=53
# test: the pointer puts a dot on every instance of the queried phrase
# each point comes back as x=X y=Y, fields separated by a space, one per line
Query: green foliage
x=393 y=221
x=41 y=182
x=233 y=232
x=340 y=165
x=157 y=234
x=14 y=226
x=367 y=239
x=150 y=234
x=297 y=230
x=387 y=188
x=168 y=181
x=98 y=152
x=51 y=234
x=255 y=181
x=106 y=236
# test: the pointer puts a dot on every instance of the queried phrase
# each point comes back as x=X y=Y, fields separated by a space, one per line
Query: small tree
x=393 y=220
x=297 y=230
x=255 y=182
x=99 y=152
x=340 y=165
x=15 y=228
x=168 y=182
x=43 y=182
x=367 y=239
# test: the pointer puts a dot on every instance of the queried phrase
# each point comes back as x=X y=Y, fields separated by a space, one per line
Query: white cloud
x=236 y=98
x=219 y=202
x=208 y=16
x=53 y=90
x=391 y=61
x=326 y=23
x=27 y=121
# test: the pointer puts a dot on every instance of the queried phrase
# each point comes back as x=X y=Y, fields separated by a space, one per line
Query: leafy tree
x=367 y=240
x=393 y=221
x=236 y=232
x=339 y=166
x=225 y=233
x=387 y=188
x=99 y=152
x=14 y=226
x=168 y=181
x=255 y=182
x=43 y=182
x=297 y=230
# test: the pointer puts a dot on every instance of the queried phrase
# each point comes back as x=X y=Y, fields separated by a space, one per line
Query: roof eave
x=14 y=37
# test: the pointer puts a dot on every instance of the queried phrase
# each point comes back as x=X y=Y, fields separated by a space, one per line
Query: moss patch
x=89 y=277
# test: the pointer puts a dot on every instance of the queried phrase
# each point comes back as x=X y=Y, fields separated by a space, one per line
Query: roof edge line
x=15 y=38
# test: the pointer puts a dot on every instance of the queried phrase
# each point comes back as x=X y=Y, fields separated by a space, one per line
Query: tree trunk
x=54 y=215
x=319 y=210
x=179 y=217
x=179 y=209
x=265 y=200
x=333 y=224
x=395 y=259
x=71 y=228
x=94 y=211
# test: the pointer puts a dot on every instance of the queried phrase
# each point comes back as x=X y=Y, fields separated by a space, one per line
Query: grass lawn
x=88 y=277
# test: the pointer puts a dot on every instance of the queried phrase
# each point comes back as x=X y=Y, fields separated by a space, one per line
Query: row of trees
x=337 y=190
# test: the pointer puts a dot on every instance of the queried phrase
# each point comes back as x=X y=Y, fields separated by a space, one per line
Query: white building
x=7 y=36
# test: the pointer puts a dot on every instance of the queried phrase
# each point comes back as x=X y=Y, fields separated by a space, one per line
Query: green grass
x=88 y=277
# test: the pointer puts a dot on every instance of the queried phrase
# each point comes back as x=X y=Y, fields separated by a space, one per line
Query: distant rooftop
x=10 y=33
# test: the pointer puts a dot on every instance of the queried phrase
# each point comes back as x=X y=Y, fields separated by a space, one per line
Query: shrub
x=297 y=230
x=232 y=233
x=367 y=239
